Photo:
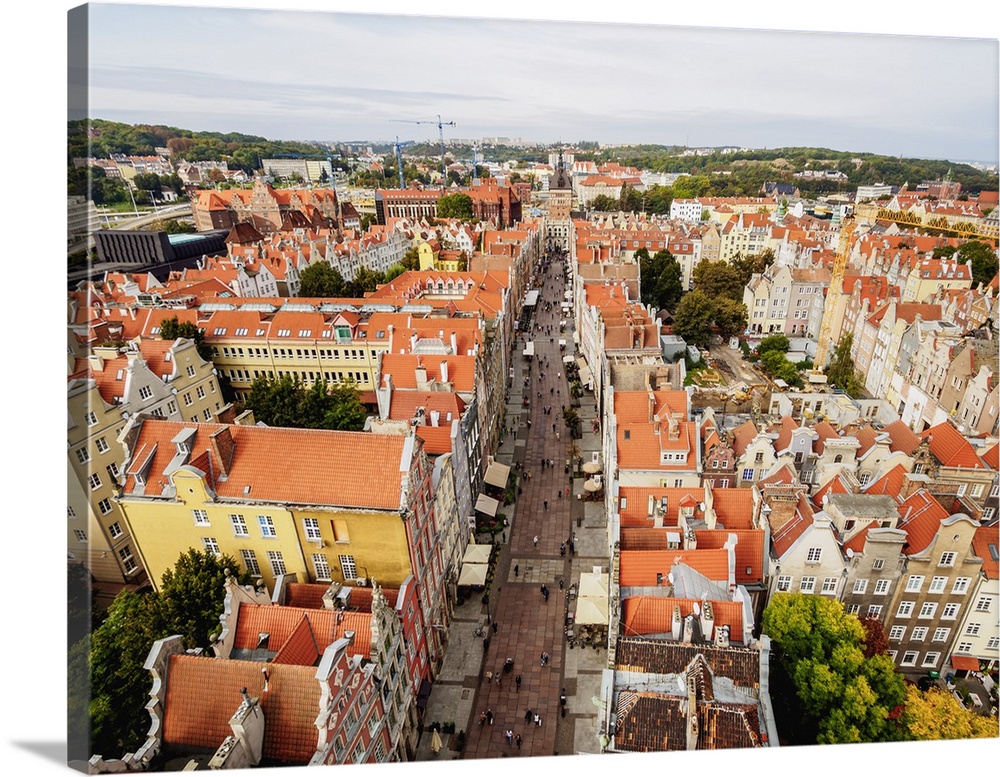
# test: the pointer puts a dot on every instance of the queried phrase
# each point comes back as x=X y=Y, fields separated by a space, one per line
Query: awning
x=531 y=298
x=593 y=584
x=567 y=359
x=476 y=554
x=591 y=610
x=487 y=504
x=591 y=467
x=473 y=574
x=968 y=663
x=497 y=474
x=529 y=348
x=592 y=486
x=562 y=342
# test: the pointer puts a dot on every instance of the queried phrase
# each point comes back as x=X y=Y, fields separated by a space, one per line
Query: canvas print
x=570 y=388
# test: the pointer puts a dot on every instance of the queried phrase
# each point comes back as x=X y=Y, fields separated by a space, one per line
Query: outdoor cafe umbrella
x=435 y=741
x=591 y=468
x=592 y=485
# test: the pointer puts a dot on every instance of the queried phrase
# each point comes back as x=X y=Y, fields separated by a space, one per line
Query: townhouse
x=977 y=638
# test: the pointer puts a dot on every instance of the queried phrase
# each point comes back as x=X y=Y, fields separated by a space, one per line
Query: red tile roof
x=825 y=431
x=639 y=567
x=743 y=435
x=642 y=615
x=922 y=516
x=788 y=535
x=890 y=483
x=286 y=465
x=733 y=506
x=951 y=448
x=749 y=550
x=902 y=438
x=984 y=544
x=203 y=693
x=991 y=457
x=283 y=624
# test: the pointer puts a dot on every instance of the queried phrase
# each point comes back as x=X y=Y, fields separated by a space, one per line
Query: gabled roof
x=984 y=544
x=645 y=615
x=284 y=624
x=838 y=484
x=991 y=457
x=826 y=432
x=902 y=438
x=783 y=539
x=639 y=567
x=949 y=447
x=309 y=466
x=889 y=483
x=203 y=693
x=922 y=516
x=743 y=435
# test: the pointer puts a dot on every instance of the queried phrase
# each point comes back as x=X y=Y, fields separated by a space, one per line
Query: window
x=931 y=659
x=983 y=604
x=829 y=585
x=104 y=506
x=875 y=611
x=115 y=530
x=909 y=658
x=977 y=490
x=852 y=609
x=145 y=392
x=896 y=633
x=187 y=398
x=82 y=455
x=759 y=458
x=961 y=585
x=748 y=474
x=250 y=561
x=964 y=647
x=807 y=585
x=937 y=585
x=914 y=583
x=919 y=634
x=987 y=514
x=322 y=566
x=112 y=470
x=95 y=481
x=91 y=418
x=927 y=610
x=277 y=562
x=207 y=414
x=200 y=518
x=128 y=562
x=993 y=643
x=211 y=545
x=813 y=556
x=950 y=612
x=948 y=559
x=972 y=629
x=312 y=528
x=200 y=391
x=266 y=526
x=941 y=635
x=905 y=610
x=81 y=535
x=784 y=582
x=878 y=563
x=348 y=568
x=881 y=587
x=239 y=525
x=102 y=445
x=860 y=586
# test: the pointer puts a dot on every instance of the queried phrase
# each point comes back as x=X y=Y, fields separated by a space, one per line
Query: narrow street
x=528 y=624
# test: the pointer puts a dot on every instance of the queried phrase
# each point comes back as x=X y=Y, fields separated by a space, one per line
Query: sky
x=244 y=81
x=317 y=75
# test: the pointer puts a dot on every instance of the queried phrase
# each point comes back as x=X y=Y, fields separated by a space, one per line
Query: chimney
x=223 y=447
x=454 y=343
x=707 y=619
x=651 y=507
x=688 y=629
x=390 y=329
x=444 y=370
x=435 y=417
x=675 y=623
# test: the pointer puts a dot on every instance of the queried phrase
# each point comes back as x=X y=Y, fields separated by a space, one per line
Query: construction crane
x=833 y=292
x=440 y=125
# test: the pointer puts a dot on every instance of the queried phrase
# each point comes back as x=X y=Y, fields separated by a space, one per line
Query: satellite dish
x=850 y=553
x=696 y=609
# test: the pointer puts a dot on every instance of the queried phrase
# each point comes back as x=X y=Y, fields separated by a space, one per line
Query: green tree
x=344 y=409
x=747 y=266
x=841 y=372
x=192 y=595
x=778 y=343
x=411 y=259
x=365 y=280
x=455 y=206
x=669 y=284
x=693 y=318
x=172 y=329
x=943 y=252
x=321 y=279
x=604 y=203
x=284 y=401
x=983 y=258
x=718 y=279
x=731 y=317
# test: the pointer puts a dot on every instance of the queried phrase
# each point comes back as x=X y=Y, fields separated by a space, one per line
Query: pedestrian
x=509 y=735
x=489 y=716
x=538 y=720
x=560 y=583
x=517 y=741
x=562 y=549
x=527 y=716
x=545 y=503
x=498 y=676
x=553 y=427
x=572 y=548
x=489 y=677
x=516 y=570
x=545 y=593
x=557 y=435
x=517 y=683
x=559 y=493
x=562 y=698
x=535 y=540
x=482 y=719
x=567 y=490
x=495 y=627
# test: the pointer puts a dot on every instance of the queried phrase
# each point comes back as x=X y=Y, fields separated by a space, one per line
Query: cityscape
x=423 y=436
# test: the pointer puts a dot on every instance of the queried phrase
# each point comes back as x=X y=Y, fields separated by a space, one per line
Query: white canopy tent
x=488 y=505
x=473 y=574
x=476 y=554
x=592 y=599
x=497 y=474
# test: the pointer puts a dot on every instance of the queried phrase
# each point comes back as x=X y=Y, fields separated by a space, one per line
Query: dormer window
x=284 y=332
x=219 y=332
x=259 y=333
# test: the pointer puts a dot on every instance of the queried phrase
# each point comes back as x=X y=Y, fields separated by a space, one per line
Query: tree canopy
x=936 y=714
x=983 y=258
x=693 y=318
x=172 y=329
x=284 y=401
x=660 y=276
x=841 y=373
x=455 y=206
x=851 y=697
x=718 y=279
x=321 y=279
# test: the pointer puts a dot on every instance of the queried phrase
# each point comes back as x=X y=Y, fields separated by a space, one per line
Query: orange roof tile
x=889 y=483
x=922 y=516
x=788 y=535
x=902 y=438
x=733 y=506
x=639 y=567
x=286 y=465
x=951 y=448
x=984 y=544
x=749 y=550
x=283 y=623
x=643 y=615
x=992 y=456
x=203 y=693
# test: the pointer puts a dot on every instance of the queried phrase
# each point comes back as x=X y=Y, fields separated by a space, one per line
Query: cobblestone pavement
x=527 y=624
